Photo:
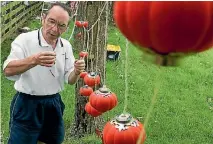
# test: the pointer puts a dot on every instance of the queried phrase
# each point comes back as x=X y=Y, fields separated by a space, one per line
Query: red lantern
x=92 y=79
x=167 y=28
x=85 y=24
x=78 y=24
x=83 y=54
x=92 y=111
x=103 y=99
x=123 y=130
x=83 y=74
x=86 y=90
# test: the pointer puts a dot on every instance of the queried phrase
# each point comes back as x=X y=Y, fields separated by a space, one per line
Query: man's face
x=55 y=23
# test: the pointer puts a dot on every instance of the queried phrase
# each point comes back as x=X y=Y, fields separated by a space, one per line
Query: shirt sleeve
x=69 y=62
x=16 y=53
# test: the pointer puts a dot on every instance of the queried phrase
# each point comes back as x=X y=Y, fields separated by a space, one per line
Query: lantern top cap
x=124 y=118
x=93 y=74
x=104 y=89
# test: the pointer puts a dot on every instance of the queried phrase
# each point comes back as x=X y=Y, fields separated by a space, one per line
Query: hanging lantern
x=123 y=129
x=86 y=90
x=85 y=24
x=83 y=74
x=166 y=30
x=92 y=79
x=92 y=111
x=103 y=99
x=78 y=24
x=83 y=54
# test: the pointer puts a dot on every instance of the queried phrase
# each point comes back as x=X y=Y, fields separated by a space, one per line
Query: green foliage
x=182 y=112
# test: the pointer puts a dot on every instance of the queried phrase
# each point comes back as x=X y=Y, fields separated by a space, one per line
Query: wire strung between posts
x=105 y=42
x=97 y=37
x=91 y=29
x=88 y=49
x=86 y=33
x=73 y=29
x=97 y=45
x=91 y=26
x=97 y=49
x=126 y=77
x=153 y=100
x=98 y=17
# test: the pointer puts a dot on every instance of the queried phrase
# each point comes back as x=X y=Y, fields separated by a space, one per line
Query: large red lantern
x=167 y=28
x=92 y=111
x=123 y=129
x=92 y=79
x=103 y=99
x=86 y=90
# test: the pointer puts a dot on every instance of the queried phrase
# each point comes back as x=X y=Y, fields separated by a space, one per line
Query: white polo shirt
x=41 y=80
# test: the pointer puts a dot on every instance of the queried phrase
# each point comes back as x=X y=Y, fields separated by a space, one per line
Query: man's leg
x=24 y=124
x=53 y=127
x=20 y=135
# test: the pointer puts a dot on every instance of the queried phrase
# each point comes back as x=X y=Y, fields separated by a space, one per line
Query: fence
x=15 y=13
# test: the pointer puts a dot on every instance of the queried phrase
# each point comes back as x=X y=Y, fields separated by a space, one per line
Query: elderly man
x=40 y=62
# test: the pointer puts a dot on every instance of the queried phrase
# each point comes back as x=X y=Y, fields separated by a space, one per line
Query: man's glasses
x=52 y=23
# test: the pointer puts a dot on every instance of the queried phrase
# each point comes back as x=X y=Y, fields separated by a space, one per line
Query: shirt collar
x=42 y=41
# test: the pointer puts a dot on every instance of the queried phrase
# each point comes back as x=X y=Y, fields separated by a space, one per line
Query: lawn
x=182 y=112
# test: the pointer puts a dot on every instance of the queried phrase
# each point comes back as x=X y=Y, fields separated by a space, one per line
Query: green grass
x=182 y=113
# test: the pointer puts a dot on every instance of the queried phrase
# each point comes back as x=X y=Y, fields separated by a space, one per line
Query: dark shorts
x=36 y=118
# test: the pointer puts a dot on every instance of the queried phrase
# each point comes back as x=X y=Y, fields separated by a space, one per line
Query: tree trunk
x=95 y=45
x=111 y=19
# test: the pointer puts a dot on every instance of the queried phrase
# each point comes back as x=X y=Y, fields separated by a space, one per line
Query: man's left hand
x=79 y=66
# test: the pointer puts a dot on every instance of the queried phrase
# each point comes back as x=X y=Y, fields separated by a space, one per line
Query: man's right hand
x=46 y=58
x=17 y=67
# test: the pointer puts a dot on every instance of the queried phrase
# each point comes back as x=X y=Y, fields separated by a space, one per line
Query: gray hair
x=62 y=5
